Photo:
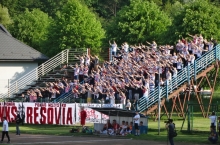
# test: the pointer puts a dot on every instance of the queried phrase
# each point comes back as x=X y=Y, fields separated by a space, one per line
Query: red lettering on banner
x=29 y=115
x=50 y=105
x=13 y=112
x=35 y=115
x=7 y=113
x=57 y=115
x=54 y=105
x=37 y=104
x=50 y=115
x=9 y=104
x=43 y=117
x=63 y=109
x=1 y=112
x=43 y=104
x=69 y=116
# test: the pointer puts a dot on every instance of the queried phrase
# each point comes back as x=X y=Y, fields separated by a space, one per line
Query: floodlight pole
x=159 y=100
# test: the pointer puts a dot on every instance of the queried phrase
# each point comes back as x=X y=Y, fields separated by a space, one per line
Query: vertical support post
x=191 y=117
x=195 y=71
x=8 y=88
x=167 y=89
x=189 y=113
x=43 y=69
x=188 y=75
x=215 y=51
x=159 y=101
x=22 y=111
x=62 y=57
x=110 y=54
x=67 y=56
x=16 y=86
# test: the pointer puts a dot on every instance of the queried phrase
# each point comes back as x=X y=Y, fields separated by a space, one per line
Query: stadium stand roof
x=112 y=111
x=12 y=49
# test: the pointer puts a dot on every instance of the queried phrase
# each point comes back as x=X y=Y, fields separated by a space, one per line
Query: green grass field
x=201 y=127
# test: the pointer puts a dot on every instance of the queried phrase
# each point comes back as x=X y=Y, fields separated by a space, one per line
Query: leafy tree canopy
x=138 y=22
x=4 y=16
x=75 y=27
x=197 y=17
x=31 y=27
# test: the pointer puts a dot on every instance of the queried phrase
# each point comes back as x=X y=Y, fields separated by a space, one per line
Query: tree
x=4 y=16
x=12 y=4
x=32 y=27
x=107 y=8
x=197 y=17
x=138 y=22
x=51 y=7
x=75 y=27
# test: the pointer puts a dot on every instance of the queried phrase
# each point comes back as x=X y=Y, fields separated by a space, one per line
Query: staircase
x=46 y=72
x=193 y=71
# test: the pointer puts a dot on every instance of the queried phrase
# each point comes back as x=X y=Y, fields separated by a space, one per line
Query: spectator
x=136 y=123
x=213 y=119
x=128 y=105
x=213 y=137
x=83 y=116
x=107 y=126
x=113 y=47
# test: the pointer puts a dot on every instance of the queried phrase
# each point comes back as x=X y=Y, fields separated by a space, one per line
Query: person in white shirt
x=136 y=123
x=126 y=47
x=113 y=47
x=128 y=105
x=5 y=130
x=213 y=119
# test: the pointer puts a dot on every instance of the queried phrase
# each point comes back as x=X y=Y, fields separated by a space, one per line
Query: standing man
x=170 y=126
x=136 y=123
x=113 y=48
x=18 y=119
x=83 y=116
x=5 y=130
x=213 y=119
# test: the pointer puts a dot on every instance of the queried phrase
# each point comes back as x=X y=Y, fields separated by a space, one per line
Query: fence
x=15 y=87
x=183 y=76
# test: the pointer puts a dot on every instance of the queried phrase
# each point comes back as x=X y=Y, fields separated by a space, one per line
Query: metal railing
x=63 y=57
x=183 y=76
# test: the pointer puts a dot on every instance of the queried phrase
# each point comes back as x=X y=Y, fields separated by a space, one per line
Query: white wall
x=13 y=71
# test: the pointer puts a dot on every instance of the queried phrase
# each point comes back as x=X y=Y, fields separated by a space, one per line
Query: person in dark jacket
x=18 y=120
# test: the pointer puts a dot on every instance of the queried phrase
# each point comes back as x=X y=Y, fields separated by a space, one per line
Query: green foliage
x=106 y=8
x=138 y=22
x=31 y=27
x=4 y=16
x=12 y=4
x=51 y=7
x=75 y=27
x=198 y=17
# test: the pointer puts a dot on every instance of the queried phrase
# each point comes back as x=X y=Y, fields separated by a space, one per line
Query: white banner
x=92 y=115
x=53 y=113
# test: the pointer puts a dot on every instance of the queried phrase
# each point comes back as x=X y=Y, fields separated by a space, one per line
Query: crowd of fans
x=115 y=129
x=132 y=73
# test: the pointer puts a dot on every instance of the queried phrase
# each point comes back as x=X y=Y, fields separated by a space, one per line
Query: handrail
x=63 y=57
x=63 y=97
x=183 y=76
x=37 y=72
